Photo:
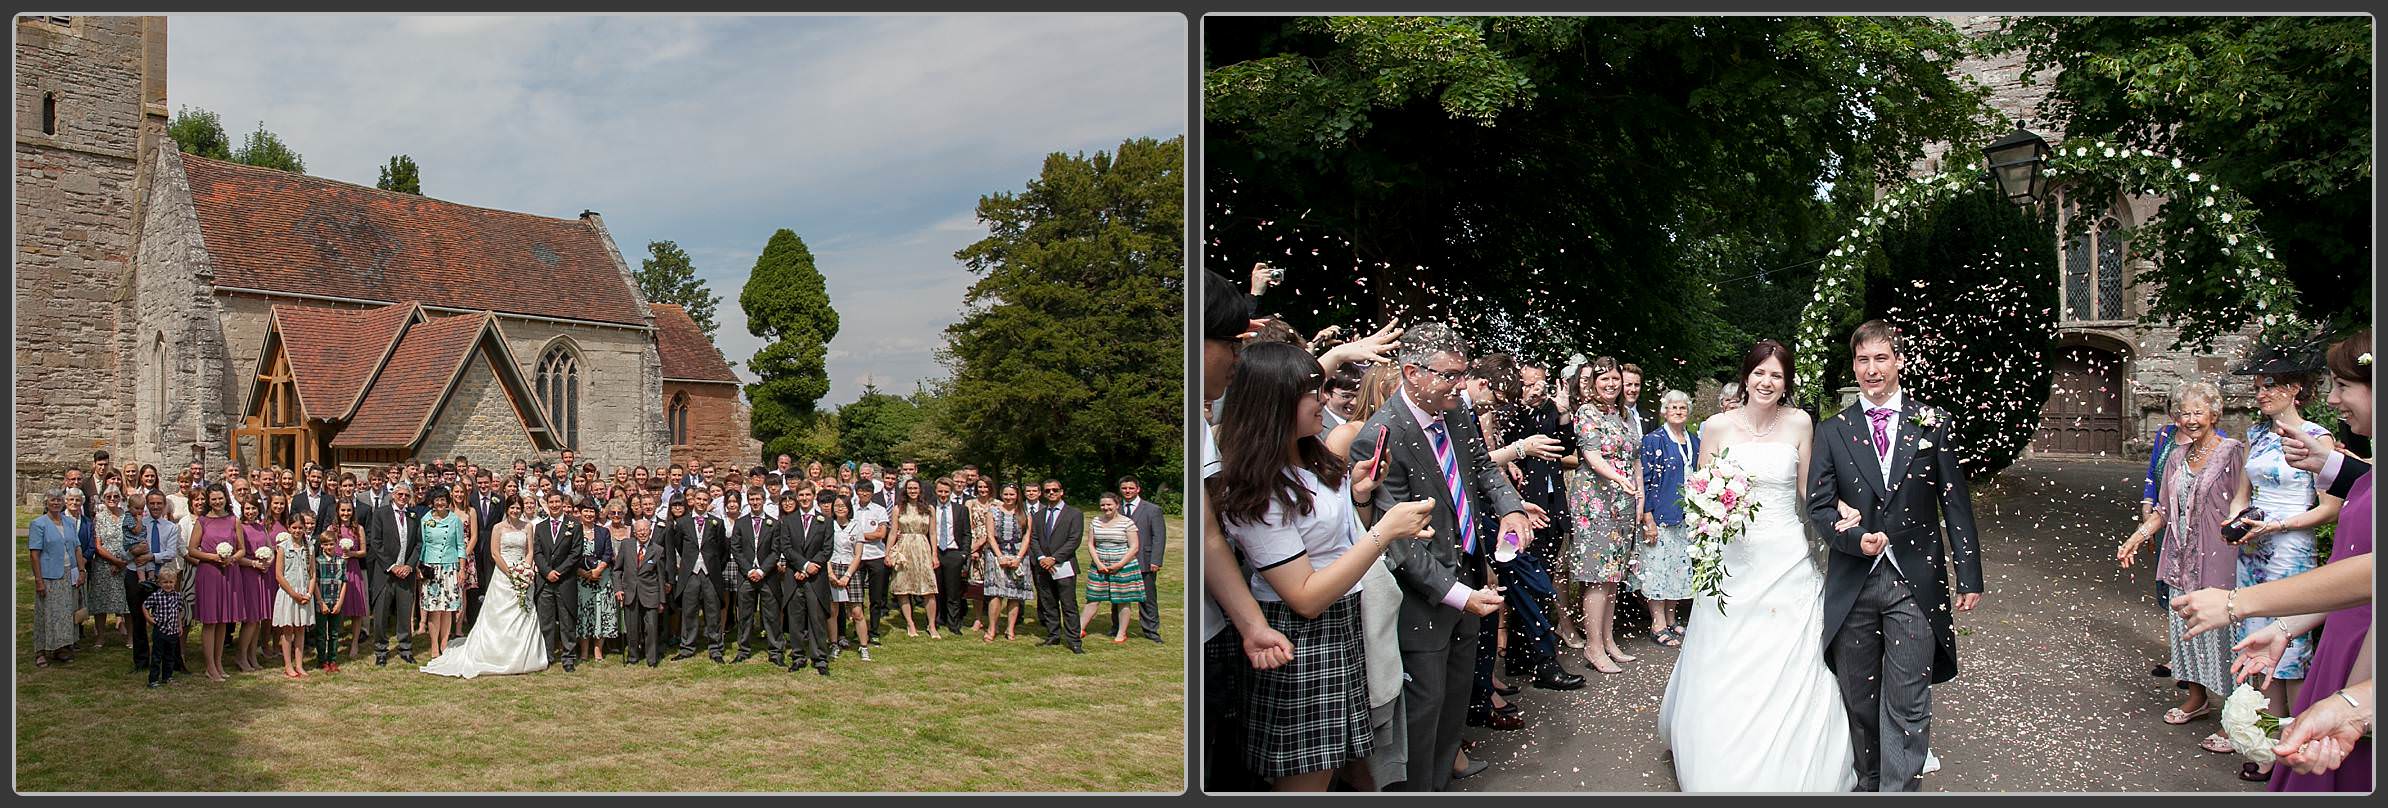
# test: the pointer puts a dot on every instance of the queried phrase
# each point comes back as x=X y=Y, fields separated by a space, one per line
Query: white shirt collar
x=1896 y=398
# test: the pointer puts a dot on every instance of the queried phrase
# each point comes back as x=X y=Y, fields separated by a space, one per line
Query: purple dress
x=257 y=586
x=2343 y=633
x=354 y=606
x=219 y=596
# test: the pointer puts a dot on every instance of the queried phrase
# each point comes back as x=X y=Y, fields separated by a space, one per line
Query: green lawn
x=948 y=715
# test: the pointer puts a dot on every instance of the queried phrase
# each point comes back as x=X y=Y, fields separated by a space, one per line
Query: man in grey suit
x=1153 y=537
x=1055 y=531
x=393 y=551
x=642 y=574
x=1887 y=630
x=806 y=536
x=1444 y=459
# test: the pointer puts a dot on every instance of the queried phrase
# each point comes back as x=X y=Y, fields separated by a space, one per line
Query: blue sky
x=871 y=137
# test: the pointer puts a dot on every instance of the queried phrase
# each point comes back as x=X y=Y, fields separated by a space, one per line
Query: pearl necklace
x=1752 y=426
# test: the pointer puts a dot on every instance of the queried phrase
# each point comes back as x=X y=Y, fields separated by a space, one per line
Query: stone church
x=172 y=306
x=2113 y=375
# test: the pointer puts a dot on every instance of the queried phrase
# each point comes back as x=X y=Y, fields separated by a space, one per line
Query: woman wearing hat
x=2279 y=540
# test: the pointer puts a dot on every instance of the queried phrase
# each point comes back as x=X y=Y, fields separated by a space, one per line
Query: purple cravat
x=1881 y=417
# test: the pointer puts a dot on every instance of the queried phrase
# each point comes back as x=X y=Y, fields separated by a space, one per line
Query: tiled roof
x=285 y=232
x=687 y=354
x=333 y=351
x=398 y=408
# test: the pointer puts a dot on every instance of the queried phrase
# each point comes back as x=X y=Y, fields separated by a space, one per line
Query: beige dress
x=911 y=554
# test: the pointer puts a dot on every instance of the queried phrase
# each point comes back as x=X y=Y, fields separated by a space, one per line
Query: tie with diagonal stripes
x=1459 y=494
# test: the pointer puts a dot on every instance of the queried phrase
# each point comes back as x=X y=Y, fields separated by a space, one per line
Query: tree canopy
x=401 y=175
x=787 y=304
x=1561 y=184
x=1066 y=360
x=2277 y=108
x=265 y=149
x=667 y=276
x=200 y=132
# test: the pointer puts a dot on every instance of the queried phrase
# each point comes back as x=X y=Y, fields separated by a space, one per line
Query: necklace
x=1755 y=432
x=2198 y=451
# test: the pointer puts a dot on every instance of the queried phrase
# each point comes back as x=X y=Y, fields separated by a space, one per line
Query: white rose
x=223 y=548
x=2239 y=714
x=348 y=544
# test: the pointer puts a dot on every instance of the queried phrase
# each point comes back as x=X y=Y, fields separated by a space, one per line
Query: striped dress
x=1111 y=547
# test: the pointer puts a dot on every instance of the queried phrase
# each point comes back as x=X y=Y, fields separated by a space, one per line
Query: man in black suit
x=393 y=552
x=1152 y=536
x=486 y=509
x=1438 y=453
x=642 y=574
x=700 y=551
x=1532 y=647
x=1887 y=630
x=555 y=560
x=805 y=537
x=1056 y=530
x=754 y=543
x=951 y=538
x=314 y=499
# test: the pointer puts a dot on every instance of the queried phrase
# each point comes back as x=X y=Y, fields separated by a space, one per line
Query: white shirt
x=870 y=519
x=1214 y=619
x=1284 y=535
x=1890 y=433
x=402 y=521
x=944 y=530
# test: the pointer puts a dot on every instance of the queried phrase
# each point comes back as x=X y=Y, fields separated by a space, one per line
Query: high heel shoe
x=1601 y=664
x=1621 y=656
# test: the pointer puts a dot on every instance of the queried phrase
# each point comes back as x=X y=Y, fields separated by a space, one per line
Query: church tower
x=90 y=102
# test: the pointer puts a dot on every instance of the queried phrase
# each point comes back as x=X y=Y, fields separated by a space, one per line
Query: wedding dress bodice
x=513 y=545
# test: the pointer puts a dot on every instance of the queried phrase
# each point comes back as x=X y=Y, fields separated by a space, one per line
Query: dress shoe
x=824 y=669
x=776 y=661
x=567 y=666
x=652 y=662
x=1077 y=649
x=381 y=660
x=716 y=657
x=742 y=656
x=1506 y=722
x=1051 y=641
x=1475 y=767
x=683 y=655
x=1511 y=690
x=1156 y=638
x=408 y=657
x=1554 y=677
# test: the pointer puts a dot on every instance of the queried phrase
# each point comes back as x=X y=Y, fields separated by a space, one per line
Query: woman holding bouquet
x=1287 y=502
x=218 y=605
x=1605 y=494
x=2198 y=481
x=255 y=573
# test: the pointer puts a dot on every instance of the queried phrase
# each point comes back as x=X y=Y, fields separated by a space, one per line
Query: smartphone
x=1379 y=458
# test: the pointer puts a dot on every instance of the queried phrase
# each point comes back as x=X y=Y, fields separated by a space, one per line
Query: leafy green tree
x=787 y=304
x=2276 y=108
x=1066 y=360
x=402 y=175
x=265 y=149
x=666 y=276
x=936 y=449
x=1560 y=184
x=198 y=131
x=1971 y=286
x=871 y=426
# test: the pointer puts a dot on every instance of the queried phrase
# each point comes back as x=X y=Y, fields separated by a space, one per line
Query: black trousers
x=760 y=602
x=393 y=605
x=700 y=610
x=1435 y=703
x=473 y=596
x=953 y=588
x=135 y=622
x=1057 y=607
x=1150 y=611
x=808 y=631
x=642 y=633
x=877 y=568
x=164 y=651
x=559 y=617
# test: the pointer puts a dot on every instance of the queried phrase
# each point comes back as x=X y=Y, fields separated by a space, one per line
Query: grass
x=947 y=715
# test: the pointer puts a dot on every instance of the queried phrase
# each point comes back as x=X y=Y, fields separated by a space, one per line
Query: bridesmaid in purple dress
x=2345 y=631
x=254 y=575
x=345 y=527
x=219 y=604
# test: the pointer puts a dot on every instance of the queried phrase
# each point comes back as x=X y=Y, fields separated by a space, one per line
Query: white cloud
x=871 y=137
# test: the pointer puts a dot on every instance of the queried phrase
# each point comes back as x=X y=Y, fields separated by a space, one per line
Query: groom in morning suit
x=1886 y=592
x=806 y=536
x=555 y=567
x=393 y=551
x=699 y=552
x=1435 y=452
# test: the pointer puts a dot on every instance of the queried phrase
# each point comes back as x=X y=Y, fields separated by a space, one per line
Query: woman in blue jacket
x=1668 y=453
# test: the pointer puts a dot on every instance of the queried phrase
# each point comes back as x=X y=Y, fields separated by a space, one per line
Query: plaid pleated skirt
x=1310 y=714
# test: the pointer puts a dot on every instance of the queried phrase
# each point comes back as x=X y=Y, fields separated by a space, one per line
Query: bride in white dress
x=506 y=639
x=1750 y=706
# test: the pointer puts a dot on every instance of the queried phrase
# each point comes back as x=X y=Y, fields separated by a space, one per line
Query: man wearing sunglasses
x=1056 y=530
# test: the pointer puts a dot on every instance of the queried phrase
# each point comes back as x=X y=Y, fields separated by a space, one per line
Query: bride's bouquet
x=1718 y=508
x=522 y=587
x=2251 y=730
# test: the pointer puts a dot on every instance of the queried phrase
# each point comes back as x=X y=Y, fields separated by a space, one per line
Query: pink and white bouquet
x=1717 y=508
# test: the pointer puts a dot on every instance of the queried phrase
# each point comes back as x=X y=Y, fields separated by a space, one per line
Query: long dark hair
x=1255 y=427
x=1761 y=351
x=905 y=501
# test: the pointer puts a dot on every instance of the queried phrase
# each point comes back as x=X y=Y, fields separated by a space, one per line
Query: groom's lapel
x=1903 y=450
x=1861 y=432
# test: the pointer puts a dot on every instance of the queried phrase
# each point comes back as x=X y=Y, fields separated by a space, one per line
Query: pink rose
x=1726 y=498
x=1699 y=484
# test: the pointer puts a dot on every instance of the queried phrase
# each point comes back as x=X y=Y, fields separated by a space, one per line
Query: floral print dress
x=1604 y=511
x=2282 y=491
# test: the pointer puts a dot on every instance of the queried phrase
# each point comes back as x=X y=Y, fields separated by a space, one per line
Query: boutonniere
x=1926 y=417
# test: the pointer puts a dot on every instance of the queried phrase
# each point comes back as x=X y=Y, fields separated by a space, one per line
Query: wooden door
x=2084 y=413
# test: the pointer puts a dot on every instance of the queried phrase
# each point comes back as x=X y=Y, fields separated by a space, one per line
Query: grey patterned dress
x=103 y=589
x=600 y=617
x=1004 y=583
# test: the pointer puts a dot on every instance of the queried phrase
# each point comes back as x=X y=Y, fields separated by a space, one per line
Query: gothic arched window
x=557 y=383
x=677 y=417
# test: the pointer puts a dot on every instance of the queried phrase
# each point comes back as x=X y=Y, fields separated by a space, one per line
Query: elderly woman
x=2199 y=478
x=57 y=561
x=1669 y=453
x=1728 y=398
x=113 y=535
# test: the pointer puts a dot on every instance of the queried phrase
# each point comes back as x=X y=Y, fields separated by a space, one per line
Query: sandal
x=2217 y=744
x=2177 y=716
x=1667 y=637
x=2253 y=772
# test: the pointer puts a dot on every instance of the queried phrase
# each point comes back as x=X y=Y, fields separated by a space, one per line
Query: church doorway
x=2084 y=413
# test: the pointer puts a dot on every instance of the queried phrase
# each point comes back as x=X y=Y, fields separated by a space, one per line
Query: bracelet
x=2351 y=702
x=2230 y=607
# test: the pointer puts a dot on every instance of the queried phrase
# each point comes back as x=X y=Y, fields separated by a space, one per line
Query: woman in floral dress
x=600 y=615
x=1006 y=570
x=1604 y=492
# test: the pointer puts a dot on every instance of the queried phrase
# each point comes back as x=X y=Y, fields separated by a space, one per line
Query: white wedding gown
x=507 y=639
x=1750 y=706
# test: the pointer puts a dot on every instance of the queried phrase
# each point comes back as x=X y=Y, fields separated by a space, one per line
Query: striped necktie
x=1459 y=494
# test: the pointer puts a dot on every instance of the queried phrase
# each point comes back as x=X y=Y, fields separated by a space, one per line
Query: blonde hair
x=1376 y=388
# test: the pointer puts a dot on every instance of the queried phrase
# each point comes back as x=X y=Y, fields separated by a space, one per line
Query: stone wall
x=479 y=419
x=621 y=390
x=74 y=218
x=718 y=426
x=176 y=354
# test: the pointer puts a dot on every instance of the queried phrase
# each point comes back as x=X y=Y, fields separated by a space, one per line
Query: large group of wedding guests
x=1349 y=637
x=802 y=563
